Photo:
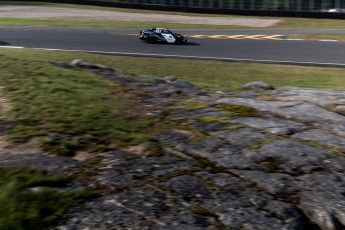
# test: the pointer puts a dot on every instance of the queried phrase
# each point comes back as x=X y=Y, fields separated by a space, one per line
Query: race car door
x=168 y=37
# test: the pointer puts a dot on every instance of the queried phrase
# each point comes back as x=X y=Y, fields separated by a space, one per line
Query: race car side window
x=158 y=31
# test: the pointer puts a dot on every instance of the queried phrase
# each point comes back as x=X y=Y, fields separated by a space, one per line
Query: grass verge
x=77 y=110
x=49 y=101
x=214 y=75
x=24 y=209
x=293 y=23
x=107 y=24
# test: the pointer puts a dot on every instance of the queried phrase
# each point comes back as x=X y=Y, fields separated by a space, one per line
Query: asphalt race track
x=249 y=45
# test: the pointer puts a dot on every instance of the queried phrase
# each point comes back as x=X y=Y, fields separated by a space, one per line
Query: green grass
x=236 y=110
x=75 y=110
x=106 y=24
x=23 y=209
x=209 y=119
x=48 y=100
x=214 y=75
x=293 y=23
x=308 y=23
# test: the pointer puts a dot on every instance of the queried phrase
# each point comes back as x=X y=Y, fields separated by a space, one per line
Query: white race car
x=162 y=35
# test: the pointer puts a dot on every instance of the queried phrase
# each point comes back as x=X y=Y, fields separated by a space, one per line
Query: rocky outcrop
x=269 y=159
x=257 y=85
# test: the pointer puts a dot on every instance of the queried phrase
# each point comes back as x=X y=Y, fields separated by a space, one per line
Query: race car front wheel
x=150 y=40
x=180 y=42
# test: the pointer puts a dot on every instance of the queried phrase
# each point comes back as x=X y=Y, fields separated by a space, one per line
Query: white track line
x=13 y=47
x=190 y=57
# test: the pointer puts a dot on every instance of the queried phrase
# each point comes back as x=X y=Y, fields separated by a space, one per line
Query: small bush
x=24 y=209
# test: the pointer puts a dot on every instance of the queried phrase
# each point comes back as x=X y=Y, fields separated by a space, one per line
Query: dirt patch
x=6 y=146
x=5 y=106
x=68 y=13
x=30 y=147
x=83 y=156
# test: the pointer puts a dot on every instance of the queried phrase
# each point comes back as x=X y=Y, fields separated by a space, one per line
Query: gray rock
x=339 y=109
x=106 y=213
x=191 y=113
x=5 y=126
x=51 y=164
x=271 y=125
x=174 y=137
x=236 y=162
x=225 y=181
x=209 y=127
x=337 y=128
x=323 y=201
x=317 y=96
x=89 y=65
x=282 y=210
x=335 y=164
x=298 y=111
x=242 y=138
x=248 y=94
x=220 y=153
x=170 y=79
x=340 y=216
x=115 y=180
x=62 y=65
x=140 y=208
x=120 y=169
x=146 y=200
x=183 y=84
x=178 y=83
x=277 y=184
x=326 y=104
x=186 y=186
x=257 y=85
x=246 y=217
x=323 y=137
x=289 y=156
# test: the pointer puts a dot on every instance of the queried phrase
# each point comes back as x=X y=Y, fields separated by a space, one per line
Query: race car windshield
x=166 y=32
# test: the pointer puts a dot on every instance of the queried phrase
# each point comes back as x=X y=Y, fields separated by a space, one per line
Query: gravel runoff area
x=70 y=13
